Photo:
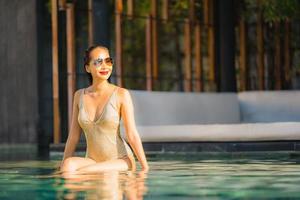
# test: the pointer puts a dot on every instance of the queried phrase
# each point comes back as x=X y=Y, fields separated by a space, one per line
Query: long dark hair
x=86 y=58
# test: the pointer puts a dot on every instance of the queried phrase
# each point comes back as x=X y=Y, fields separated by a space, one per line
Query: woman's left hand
x=145 y=168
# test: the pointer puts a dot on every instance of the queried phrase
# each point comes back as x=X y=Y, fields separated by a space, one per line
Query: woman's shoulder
x=122 y=91
x=77 y=94
x=123 y=94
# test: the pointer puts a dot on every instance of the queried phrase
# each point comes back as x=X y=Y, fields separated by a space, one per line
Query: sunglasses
x=98 y=62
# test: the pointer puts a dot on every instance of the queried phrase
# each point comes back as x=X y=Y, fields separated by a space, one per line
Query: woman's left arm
x=127 y=113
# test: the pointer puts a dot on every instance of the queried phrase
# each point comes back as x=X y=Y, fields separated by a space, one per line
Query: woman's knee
x=70 y=164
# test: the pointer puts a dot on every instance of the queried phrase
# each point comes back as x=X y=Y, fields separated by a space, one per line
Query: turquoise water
x=187 y=176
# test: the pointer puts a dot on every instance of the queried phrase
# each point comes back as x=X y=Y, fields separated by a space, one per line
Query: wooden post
x=206 y=12
x=211 y=41
x=187 y=57
x=277 y=57
x=129 y=9
x=70 y=59
x=165 y=10
x=62 y=4
x=148 y=54
x=192 y=10
x=90 y=23
x=188 y=48
x=198 y=58
x=260 y=48
x=154 y=41
x=118 y=33
x=243 y=55
x=208 y=21
x=55 y=80
x=287 y=58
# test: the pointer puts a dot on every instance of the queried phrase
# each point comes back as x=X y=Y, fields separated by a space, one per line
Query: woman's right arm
x=75 y=130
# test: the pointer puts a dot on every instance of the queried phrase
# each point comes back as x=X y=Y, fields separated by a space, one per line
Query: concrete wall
x=18 y=75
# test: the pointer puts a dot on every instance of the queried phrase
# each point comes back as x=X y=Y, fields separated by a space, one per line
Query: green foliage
x=141 y=8
x=179 y=8
x=274 y=10
x=277 y=10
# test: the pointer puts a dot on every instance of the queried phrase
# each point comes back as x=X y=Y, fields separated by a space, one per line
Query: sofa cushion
x=270 y=106
x=170 y=108
x=221 y=132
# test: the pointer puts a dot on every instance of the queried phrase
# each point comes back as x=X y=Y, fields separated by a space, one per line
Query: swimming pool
x=172 y=176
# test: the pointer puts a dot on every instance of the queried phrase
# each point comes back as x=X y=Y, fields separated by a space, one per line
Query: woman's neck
x=99 y=85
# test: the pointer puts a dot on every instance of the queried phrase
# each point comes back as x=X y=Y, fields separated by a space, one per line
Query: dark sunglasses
x=98 y=62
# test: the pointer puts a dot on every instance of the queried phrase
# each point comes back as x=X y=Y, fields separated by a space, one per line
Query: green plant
x=274 y=10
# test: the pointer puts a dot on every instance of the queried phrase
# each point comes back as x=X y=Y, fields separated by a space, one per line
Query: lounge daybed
x=216 y=117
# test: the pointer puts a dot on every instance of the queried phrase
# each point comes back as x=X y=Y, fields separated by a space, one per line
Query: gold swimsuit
x=103 y=138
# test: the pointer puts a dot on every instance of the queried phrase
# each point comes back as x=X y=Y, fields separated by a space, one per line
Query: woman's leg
x=71 y=164
x=117 y=164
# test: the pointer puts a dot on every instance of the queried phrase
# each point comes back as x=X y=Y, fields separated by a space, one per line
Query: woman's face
x=100 y=65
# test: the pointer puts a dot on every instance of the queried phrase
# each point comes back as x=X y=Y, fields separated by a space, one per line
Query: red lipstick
x=103 y=72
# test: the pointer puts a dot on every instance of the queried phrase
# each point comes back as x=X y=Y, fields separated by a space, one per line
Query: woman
x=97 y=110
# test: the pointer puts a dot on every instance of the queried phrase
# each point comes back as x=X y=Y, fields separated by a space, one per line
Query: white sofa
x=216 y=117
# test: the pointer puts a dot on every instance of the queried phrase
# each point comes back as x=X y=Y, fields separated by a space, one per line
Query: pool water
x=185 y=176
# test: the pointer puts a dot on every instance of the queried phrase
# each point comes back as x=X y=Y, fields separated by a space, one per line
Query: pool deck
x=176 y=147
x=207 y=150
